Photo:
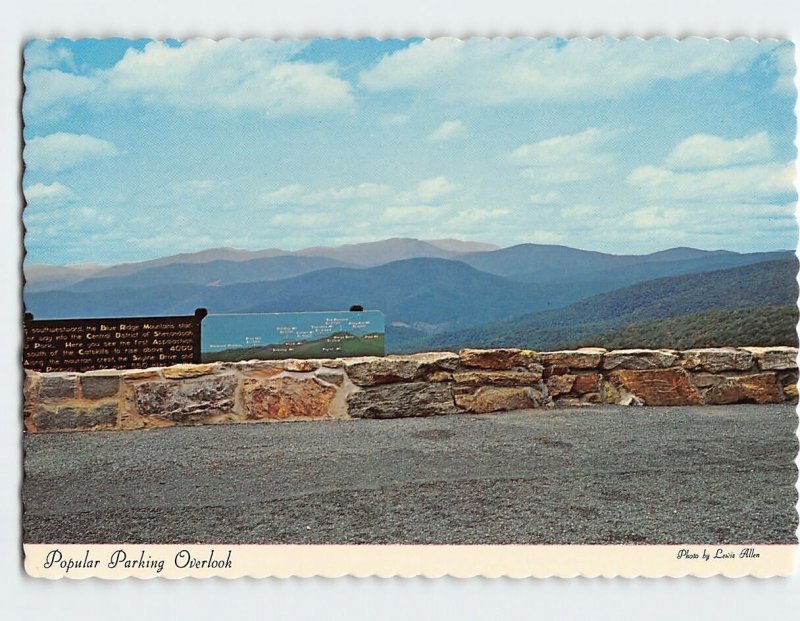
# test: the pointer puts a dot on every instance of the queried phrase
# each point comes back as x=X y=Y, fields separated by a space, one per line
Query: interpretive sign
x=111 y=343
x=272 y=336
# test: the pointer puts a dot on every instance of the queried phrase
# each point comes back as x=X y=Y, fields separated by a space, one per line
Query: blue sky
x=139 y=149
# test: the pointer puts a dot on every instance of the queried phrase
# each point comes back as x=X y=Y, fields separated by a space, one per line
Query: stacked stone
x=476 y=381
x=62 y=401
x=473 y=381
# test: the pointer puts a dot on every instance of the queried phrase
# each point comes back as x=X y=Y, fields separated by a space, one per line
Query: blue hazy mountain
x=420 y=296
x=427 y=294
x=217 y=266
x=550 y=263
x=591 y=271
x=213 y=273
x=765 y=284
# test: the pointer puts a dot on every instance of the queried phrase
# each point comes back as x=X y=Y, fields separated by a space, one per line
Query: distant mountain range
x=427 y=294
x=765 y=284
x=596 y=271
x=230 y=265
x=436 y=293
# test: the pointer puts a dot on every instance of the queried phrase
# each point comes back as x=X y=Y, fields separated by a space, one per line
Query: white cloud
x=483 y=215
x=427 y=191
x=546 y=198
x=492 y=71
x=562 y=159
x=707 y=151
x=42 y=54
x=656 y=217
x=253 y=75
x=284 y=195
x=298 y=194
x=785 y=65
x=49 y=88
x=362 y=191
x=448 y=130
x=61 y=150
x=760 y=182
x=41 y=192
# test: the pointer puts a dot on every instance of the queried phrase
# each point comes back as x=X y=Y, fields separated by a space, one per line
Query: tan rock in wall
x=497 y=359
x=756 y=388
x=186 y=371
x=187 y=401
x=498 y=378
x=774 y=358
x=402 y=400
x=587 y=383
x=716 y=360
x=486 y=399
x=559 y=384
x=300 y=365
x=286 y=397
x=585 y=358
x=373 y=371
x=549 y=371
x=658 y=386
x=790 y=392
x=639 y=359
x=706 y=380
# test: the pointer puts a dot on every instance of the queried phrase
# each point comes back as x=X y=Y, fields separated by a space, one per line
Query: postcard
x=470 y=307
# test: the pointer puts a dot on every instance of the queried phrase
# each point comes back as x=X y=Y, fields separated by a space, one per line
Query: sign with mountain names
x=80 y=345
x=274 y=336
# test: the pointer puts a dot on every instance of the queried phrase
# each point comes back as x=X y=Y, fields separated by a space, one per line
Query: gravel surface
x=588 y=475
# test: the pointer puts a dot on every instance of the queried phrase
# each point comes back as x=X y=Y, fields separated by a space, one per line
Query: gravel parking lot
x=590 y=475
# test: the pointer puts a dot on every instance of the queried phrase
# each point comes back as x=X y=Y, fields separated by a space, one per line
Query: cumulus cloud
x=493 y=71
x=368 y=205
x=708 y=151
x=282 y=196
x=427 y=191
x=477 y=214
x=546 y=198
x=298 y=194
x=363 y=191
x=61 y=150
x=567 y=158
x=254 y=75
x=448 y=130
x=42 y=54
x=50 y=90
x=785 y=66
x=52 y=192
x=656 y=217
x=759 y=182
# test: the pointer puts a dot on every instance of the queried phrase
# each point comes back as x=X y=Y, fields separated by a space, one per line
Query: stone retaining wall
x=430 y=384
